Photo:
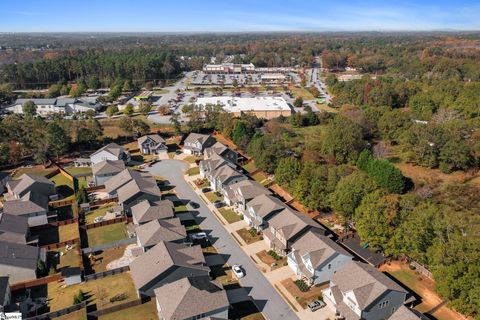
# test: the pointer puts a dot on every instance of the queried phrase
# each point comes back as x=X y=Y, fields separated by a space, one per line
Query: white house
x=112 y=152
x=315 y=258
x=196 y=143
x=152 y=144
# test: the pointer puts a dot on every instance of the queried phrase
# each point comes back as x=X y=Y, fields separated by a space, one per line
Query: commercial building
x=65 y=106
x=226 y=68
x=262 y=107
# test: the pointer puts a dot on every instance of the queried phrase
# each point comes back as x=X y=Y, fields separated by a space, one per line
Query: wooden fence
x=102 y=201
x=95 y=188
x=36 y=282
x=104 y=223
x=59 y=313
x=61 y=203
x=103 y=274
x=116 y=308
x=60 y=244
x=110 y=245
x=55 y=224
x=421 y=269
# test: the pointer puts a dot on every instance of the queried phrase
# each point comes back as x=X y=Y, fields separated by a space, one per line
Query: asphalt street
x=264 y=295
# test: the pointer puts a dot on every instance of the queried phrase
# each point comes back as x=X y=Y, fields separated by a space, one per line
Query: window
x=383 y=304
x=329 y=266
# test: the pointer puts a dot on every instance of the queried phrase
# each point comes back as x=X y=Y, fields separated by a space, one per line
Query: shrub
x=252 y=232
x=119 y=297
x=302 y=285
x=274 y=255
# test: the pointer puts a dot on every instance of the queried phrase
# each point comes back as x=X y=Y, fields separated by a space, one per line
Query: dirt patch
x=269 y=260
x=303 y=298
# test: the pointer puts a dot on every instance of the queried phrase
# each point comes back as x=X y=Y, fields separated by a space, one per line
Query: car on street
x=238 y=271
x=218 y=204
x=193 y=205
x=315 y=305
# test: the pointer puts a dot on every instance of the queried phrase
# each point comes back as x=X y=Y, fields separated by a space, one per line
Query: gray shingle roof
x=225 y=172
x=13 y=228
x=404 y=313
x=19 y=255
x=108 y=167
x=26 y=181
x=290 y=222
x=249 y=189
x=36 y=101
x=163 y=256
x=366 y=282
x=112 y=148
x=146 y=185
x=146 y=211
x=155 y=137
x=265 y=204
x=191 y=296
x=122 y=178
x=4 y=174
x=155 y=231
x=4 y=284
x=194 y=137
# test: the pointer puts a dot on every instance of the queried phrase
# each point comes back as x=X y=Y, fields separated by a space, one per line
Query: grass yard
x=78 y=170
x=68 y=232
x=303 y=298
x=250 y=167
x=180 y=207
x=99 y=212
x=229 y=215
x=193 y=171
x=259 y=176
x=69 y=258
x=97 y=291
x=302 y=92
x=146 y=311
x=104 y=257
x=106 y=234
x=191 y=159
x=247 y=236
x=64 y=186
x=213 y=196
x=38 y=170
x=269 y=260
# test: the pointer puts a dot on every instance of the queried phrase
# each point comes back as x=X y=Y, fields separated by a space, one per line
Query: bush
x=118 y=297
x=252 y=232
x=302 y=285
x=274 y=255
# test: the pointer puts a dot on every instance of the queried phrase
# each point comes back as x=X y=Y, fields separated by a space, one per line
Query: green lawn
x=107 y=234
x=191 y=159
x=69 y=258
x=100 y=211
x=35 y=170
x=146 y=311
x=64 y=186
x=78 y=170
x=229 y=215
x=259 y=176
x=193 y=171
x=213 y=196
x=250 y=167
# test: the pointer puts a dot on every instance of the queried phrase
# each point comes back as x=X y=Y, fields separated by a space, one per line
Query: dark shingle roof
x=19 y=255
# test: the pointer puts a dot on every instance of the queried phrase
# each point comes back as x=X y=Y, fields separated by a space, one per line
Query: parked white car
x=198 y=236
x=238 y=271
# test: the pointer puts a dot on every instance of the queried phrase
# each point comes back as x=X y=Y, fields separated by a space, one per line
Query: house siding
x=395 y=300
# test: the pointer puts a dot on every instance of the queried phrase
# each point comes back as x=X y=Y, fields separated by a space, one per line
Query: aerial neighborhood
x=251 y=176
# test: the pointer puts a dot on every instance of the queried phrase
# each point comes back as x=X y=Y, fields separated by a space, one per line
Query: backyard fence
x=36 y=282
x=59 y=313
x=102 y=201
x=116 y=308
x=104 y=223
x=55 y=224
x=95 y=188
x=110 y=245
x=103 y=274
x=61 y=203
x=421 y=269
x=60 y=244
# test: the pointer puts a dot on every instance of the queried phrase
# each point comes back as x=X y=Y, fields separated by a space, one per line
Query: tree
x=287 y=171
x=298 y=102
x=93 y=82
x=128 y=111
x=240 y=135
x=111 y=110
x=342 y=139
x=145 y=107
x=174 y=120
x=57 y=139
x=164 y=110
x=455 y=154
x=127 y=86
x=54 y=91
x=29 y=108
x=82 y=195
x=134 y=126
x=349 y=193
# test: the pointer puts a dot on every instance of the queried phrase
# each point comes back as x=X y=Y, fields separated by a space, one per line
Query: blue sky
x=240 y=15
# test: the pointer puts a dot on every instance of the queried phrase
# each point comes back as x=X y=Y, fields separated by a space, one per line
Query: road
x=265 y=296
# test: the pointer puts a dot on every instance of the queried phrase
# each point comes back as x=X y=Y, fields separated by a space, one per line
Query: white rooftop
x=236 y=104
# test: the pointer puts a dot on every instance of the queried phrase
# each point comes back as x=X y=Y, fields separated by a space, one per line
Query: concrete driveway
x=268 y=301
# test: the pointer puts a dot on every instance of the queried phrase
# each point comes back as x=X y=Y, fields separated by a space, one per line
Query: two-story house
x=156 y=231
x=240 y=193
x=192 y=298
x=260 y=209
x=208 y=166
x=196 y=143
x=225 y=176
x=223 y=151
x=105 y=169
x=137 y=190
x=152 y=144
x=19 y=261
x=359 y=291
x=315 y=258
x=286 y=227
x=146 y=211
x=111 y=151
x=165 y=263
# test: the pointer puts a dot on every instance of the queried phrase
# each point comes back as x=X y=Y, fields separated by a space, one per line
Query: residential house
x=284 y=228
x=122 y=178
x=156 y=231
x=146 y=211
x=359 y=291
x=165 y=263
x=196 y=143
x=4 y=178
x=13 y=228
x=152 y=144
x=208 y=166
x=315 y=257
x=105 y=169
x=29 y=196
x=260 y=209
x=111 y=151
x=19 y=261
x=5 y=293
x=192 y=298
x=223 y=151
x=240 y=193
x=404 y=313
x=137 y=190
x=224 y=176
